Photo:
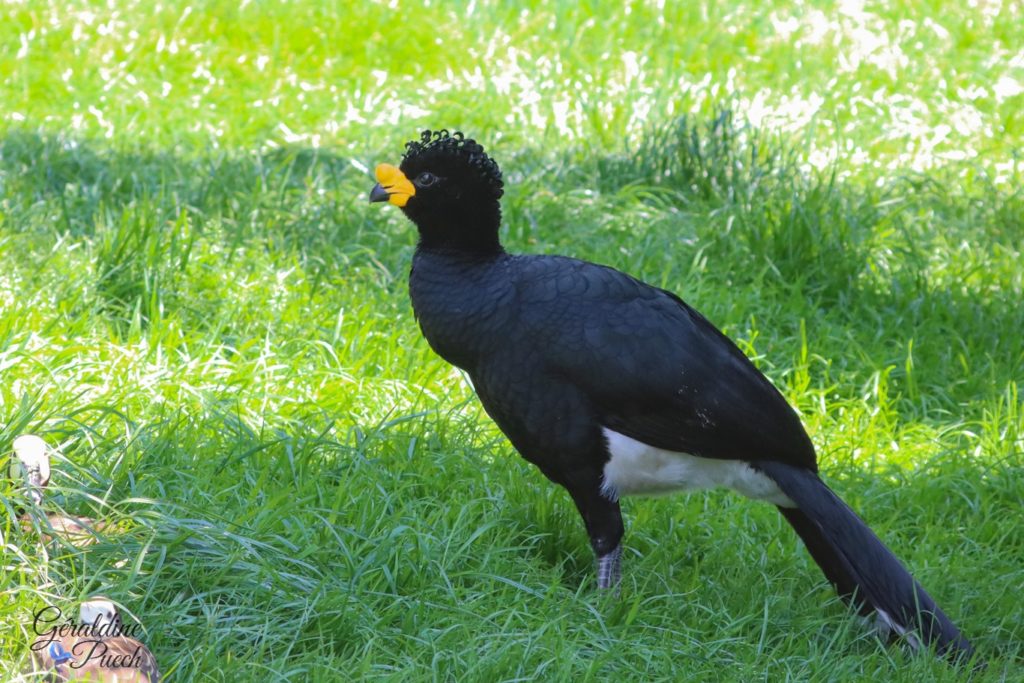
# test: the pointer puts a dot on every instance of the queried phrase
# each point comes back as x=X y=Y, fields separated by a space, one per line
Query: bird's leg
x=603 y=520
x=34 y=481
x=609 y=568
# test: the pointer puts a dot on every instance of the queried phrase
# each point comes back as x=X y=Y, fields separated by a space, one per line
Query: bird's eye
x=426 y=179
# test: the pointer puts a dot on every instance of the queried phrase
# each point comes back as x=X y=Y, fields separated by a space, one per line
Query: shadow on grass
x=919 y=277
x=343 y=541
x=144 y=212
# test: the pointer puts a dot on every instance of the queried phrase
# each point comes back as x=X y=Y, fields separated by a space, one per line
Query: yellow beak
x=392 y=186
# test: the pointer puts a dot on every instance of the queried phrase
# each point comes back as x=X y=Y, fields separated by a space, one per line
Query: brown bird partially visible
x=99 y=648
x=31 y=464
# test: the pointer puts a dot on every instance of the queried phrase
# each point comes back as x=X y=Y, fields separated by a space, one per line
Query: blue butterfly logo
x=59 y=654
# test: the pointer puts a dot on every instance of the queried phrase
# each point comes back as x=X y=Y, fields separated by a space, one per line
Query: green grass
x=198 y=305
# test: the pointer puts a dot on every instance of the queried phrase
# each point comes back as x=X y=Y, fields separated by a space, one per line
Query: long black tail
x=864 y=572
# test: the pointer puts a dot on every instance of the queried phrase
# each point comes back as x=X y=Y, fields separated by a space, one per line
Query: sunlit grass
x=200 y=308
x=885 y=87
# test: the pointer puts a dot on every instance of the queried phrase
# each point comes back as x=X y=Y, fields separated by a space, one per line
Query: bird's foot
x=609 y=569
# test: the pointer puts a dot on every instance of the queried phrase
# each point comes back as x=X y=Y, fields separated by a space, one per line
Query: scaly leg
x=609 y=569
x=603 y=520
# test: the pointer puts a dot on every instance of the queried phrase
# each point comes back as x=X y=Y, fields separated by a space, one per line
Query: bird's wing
x=654 y=368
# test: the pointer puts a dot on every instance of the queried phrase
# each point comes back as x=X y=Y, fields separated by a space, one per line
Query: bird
x=31 y=466
x=614 y=387
x=100 y=647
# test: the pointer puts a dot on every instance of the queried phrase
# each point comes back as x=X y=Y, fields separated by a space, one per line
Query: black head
x=449 y=187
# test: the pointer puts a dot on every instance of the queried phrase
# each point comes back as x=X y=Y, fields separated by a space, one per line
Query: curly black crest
x=456 y=145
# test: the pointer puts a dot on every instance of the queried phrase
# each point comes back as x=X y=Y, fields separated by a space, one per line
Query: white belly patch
x=636 y=468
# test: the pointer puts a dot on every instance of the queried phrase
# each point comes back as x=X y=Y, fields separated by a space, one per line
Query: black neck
x=471 y=230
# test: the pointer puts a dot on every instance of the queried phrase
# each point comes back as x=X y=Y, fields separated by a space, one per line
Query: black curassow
x=612 y=387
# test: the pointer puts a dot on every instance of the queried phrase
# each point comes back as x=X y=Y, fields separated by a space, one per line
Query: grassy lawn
x=200 y=308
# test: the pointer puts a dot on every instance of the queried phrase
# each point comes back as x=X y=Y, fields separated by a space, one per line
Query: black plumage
x=610 y=385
